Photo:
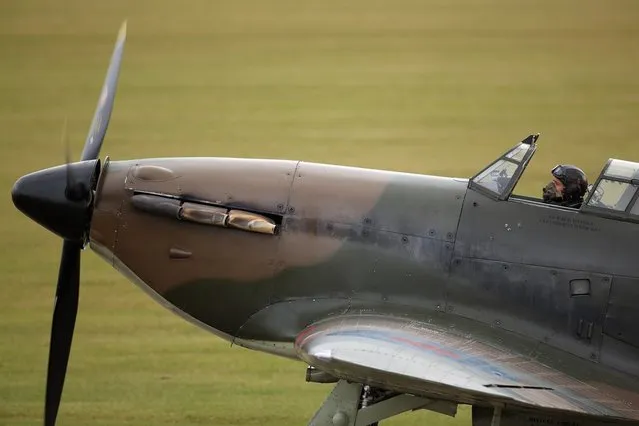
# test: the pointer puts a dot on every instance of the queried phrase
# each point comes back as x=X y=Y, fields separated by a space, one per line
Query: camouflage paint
x=358 y=241
x=345 y=234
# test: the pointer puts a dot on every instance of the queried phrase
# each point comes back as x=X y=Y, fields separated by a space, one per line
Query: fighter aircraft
x=407 y=291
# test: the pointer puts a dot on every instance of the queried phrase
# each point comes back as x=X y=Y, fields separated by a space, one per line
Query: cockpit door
x=499 y=179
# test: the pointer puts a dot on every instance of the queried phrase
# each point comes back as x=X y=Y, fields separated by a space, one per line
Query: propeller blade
x=105 y=103
x=64 y=314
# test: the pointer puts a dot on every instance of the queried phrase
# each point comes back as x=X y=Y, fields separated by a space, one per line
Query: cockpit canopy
x=615 y=194
x=616 y=191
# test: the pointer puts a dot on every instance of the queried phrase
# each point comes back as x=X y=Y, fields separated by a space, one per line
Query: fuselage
x=352 y=240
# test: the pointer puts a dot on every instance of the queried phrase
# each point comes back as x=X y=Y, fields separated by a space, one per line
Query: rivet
x=280 y=207
x=475 y=204
x=291 y=209
x=405 y=239
x=449 y=235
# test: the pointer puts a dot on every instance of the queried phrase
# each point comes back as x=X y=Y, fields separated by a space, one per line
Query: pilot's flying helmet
x=574 y=180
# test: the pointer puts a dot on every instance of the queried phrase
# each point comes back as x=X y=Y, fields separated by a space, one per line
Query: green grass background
x=428 y=86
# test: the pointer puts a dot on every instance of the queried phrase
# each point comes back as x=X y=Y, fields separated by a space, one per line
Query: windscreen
x=501 y=176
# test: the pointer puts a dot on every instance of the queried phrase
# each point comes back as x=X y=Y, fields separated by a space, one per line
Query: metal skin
x=433 y=286
x=347 y=235
x=355 y=241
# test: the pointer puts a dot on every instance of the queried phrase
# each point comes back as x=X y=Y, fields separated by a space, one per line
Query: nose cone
x=46 y=198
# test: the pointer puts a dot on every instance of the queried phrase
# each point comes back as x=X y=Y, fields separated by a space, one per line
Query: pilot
x=567 y=188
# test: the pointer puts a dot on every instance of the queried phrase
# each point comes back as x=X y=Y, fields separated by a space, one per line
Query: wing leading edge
x=423 y=359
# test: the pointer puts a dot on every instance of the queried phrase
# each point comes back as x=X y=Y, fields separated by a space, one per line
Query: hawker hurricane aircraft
x=407 y=291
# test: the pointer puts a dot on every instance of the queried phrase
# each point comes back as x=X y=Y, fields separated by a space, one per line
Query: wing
x=423 y=359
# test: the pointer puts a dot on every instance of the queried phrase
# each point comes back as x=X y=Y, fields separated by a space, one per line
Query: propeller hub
x=59 y=198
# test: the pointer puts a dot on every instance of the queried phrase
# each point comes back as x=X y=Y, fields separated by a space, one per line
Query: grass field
x=437 y=86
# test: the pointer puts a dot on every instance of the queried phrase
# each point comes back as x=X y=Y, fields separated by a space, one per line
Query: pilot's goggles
x=559 y=171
